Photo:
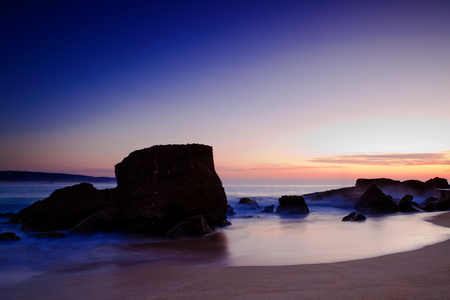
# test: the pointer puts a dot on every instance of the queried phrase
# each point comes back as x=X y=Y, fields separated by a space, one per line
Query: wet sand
x=418 y=274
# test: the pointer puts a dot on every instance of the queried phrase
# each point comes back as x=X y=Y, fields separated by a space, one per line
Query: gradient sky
x=285 y=91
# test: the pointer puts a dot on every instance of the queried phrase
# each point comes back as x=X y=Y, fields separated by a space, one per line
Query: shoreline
x=416 y=274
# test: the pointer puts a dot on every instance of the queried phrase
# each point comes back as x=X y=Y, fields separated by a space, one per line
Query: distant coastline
x=26 y=176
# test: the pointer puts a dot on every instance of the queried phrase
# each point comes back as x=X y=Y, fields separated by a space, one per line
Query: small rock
x=405 y=203
x=292 y=205
x=354 y=216
x=230 y=210
x=268 y=209
x=250 y=203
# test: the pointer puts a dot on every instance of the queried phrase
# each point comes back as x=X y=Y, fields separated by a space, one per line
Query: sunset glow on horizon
x=289 y=92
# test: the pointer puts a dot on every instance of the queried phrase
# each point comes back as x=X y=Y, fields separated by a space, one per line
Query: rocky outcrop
x=64 y=209
x=9 y=236
x=195 y=226
x=397 y=188
x=354 y=217
x=292 y=205
x=157 y=188
x=374 y=201
x=250 y=204
x=435 y=204
x=163 y=185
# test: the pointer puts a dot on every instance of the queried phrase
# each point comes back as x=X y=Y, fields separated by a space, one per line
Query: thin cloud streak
x=389 y=159
x=271 y=167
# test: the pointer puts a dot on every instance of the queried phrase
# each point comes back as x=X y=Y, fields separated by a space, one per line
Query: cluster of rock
x=368 y=196
x=374 y=196
x=168 y=190
x=288 y=205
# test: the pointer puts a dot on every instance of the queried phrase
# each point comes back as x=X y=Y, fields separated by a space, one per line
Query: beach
x=417 y=274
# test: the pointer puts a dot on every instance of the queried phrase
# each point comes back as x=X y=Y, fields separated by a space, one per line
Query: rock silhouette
x=157 y=188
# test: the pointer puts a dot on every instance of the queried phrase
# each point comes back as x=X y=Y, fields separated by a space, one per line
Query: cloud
x=270 y=167
x=389 y=159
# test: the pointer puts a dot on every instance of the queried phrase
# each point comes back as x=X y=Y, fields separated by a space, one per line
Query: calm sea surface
x=255 y=238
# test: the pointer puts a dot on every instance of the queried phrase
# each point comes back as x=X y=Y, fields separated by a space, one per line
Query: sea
x=253 y=239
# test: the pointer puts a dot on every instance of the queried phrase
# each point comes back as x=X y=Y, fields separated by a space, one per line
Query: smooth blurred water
x=255 y=238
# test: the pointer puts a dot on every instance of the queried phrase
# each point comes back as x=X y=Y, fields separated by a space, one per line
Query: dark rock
x=195 y=226
x=435 y=204
x=230 y=211
x=397 y=188
x=64 y=208
x=51 y=234
x=268 y=209
x=375 y=201
x=157 y=188
x=405 y=203
x=9 y=236
x=343 y=197
x=252 y=204
x=6 y=215
x=292 y=205
x=353 y=217
x=163 y=185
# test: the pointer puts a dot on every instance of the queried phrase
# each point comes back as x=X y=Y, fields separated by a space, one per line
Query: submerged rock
x=268 y=209
x=374 y=201
x=252 y=204
x=353 y=217
x=9 y=236
x=292 y=205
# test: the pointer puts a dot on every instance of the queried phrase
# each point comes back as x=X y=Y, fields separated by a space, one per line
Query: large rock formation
x=158 y=187
x=163 y=185
x=292 y=205
x=374 y=201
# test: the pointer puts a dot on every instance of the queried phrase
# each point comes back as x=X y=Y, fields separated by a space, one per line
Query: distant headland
x=25 y=176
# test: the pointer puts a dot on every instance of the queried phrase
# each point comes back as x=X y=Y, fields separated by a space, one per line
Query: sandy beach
x=418 y=274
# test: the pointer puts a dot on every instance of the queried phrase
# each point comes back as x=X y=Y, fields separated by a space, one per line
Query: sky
x=286 y=92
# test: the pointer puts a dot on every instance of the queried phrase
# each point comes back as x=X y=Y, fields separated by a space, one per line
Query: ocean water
x=254 y=238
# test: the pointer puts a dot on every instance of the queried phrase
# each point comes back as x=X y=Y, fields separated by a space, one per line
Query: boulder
x=268 y=209
x=9 y=236
x=160 y=186
x=195 y=226
x=292 y=205
x=405 y=203
x=374 y=201
x=251 y=204
x=354 y=217
x=64 y=208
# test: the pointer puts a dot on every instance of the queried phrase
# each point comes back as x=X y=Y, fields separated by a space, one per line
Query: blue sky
x=283 y=90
